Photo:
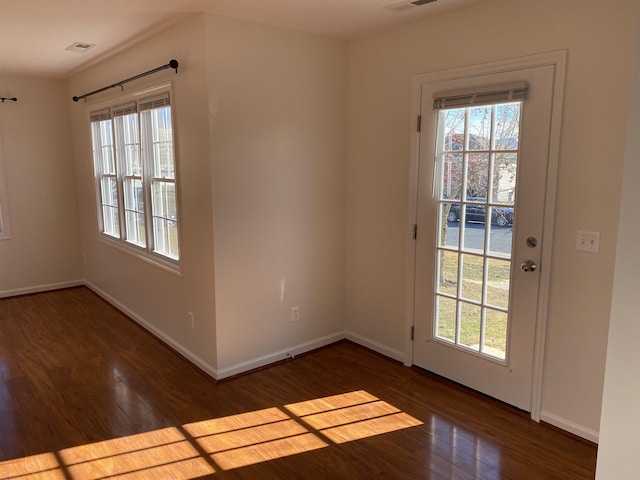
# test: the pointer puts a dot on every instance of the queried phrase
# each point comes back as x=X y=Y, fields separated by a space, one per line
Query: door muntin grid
x=477 y=161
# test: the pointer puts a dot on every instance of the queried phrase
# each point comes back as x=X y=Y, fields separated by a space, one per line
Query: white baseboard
x=278 y=356
x=375 y=346
x=178 y=347
x=569 y=426
x=251 y=364
x=40 y=288
x=209 y=369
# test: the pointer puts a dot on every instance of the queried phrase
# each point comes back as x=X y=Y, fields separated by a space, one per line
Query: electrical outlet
x=295 y=313
x=192 y=320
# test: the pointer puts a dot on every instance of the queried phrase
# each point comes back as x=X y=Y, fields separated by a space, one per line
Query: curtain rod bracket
x=172 y=64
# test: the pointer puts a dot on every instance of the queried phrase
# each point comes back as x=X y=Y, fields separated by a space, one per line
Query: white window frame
x=5 y=225
x=146 y=250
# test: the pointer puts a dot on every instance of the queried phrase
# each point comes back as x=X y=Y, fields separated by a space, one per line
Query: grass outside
x=471 y=281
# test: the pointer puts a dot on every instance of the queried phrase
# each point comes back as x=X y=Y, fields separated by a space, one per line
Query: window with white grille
x=135 y=173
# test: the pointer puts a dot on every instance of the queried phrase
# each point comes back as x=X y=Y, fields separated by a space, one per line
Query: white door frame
x=557 y=59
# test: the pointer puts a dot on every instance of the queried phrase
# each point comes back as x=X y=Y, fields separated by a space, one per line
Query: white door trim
x=557 y=59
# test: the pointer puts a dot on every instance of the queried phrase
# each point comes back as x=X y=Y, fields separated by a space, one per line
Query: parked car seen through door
x=477 y=213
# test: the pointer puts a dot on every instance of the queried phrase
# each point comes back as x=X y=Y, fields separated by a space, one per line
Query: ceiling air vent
x=80 y=47
x=399 y=7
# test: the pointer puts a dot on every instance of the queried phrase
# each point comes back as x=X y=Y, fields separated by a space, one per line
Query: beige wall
x=156 y=297
x=597 y=36
x=43 y=251
x=620 y=420
x=261 y=126
x=278 y=139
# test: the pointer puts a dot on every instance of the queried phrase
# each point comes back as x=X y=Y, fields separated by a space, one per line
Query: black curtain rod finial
x=11 y=99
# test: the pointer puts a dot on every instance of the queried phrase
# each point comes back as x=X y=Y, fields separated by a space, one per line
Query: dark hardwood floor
x=87 y=394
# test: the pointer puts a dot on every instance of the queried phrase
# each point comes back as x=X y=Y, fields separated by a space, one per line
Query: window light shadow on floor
x=204 y=448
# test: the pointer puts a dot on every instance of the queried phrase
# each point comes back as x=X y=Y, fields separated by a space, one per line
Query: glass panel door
x=480 y=242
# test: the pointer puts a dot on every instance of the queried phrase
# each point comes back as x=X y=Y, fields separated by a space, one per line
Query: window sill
x=167 y=265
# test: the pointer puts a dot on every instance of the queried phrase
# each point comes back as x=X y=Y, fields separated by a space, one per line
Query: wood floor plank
x=85 y=394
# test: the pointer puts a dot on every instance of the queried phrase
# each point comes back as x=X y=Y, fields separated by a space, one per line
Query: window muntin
x=135 y=170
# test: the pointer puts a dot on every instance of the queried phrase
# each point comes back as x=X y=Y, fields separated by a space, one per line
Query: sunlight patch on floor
x=351 y=416
x=203 y=448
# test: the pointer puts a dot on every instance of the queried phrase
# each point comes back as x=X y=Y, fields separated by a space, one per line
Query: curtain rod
x=12 y=99
x=172 y=64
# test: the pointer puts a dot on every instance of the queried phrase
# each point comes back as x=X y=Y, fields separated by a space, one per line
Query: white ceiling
x=35 y=33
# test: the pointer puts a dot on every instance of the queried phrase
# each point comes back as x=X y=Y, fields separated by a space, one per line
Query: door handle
x=528 y=266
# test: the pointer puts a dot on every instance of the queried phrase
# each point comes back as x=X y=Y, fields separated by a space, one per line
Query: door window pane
x=446 y=318
x=495 y=333
x=449 y=231
x=452 y=175
x=498 y=282
x=501 y=239
x=479 y=137
x=477 y=178
x=505 y=169
x=473 y=228
x=453 y=135
x=448 y=273
x=507 y=126
x=470 y=325
x=472 y=277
